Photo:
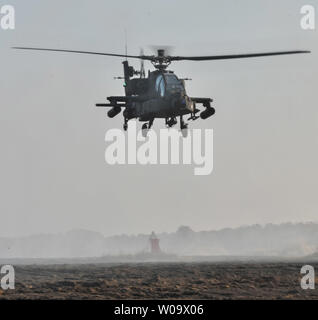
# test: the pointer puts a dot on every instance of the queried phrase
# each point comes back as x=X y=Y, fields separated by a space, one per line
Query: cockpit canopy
x=168 y=83
x=160 y=85
x=172 y=80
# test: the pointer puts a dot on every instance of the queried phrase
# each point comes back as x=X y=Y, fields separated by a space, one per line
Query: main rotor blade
x=87 y=52
x=236 y=56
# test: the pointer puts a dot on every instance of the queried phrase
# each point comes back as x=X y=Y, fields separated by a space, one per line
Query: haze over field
x=53 y=174
x=285 y=240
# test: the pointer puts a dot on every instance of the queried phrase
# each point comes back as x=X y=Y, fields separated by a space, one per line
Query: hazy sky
x=53 y=176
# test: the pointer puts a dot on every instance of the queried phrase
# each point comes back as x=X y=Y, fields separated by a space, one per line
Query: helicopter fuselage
x=159 y=95
x=162 y=95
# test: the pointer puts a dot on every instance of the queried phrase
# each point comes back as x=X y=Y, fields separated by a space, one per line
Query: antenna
x=126 y=43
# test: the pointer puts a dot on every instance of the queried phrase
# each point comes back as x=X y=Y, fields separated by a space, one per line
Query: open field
x=160 y=281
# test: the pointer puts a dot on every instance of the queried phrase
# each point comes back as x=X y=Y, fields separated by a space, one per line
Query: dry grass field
x=160 y=281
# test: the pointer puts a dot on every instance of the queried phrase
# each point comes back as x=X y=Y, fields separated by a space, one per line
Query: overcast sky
x=53 y=176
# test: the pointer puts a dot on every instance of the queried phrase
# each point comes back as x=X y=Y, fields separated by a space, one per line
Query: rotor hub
x=161 y=62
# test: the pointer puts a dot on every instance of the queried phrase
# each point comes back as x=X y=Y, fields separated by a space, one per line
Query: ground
x=160 y=281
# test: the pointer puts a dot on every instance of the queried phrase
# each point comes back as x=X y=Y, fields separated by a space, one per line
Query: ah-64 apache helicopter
x=161 y=94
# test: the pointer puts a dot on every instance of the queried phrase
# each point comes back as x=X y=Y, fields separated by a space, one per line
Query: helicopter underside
x=158 y=108
x=161 y=108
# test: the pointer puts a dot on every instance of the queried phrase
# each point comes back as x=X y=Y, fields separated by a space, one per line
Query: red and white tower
x=154 y=244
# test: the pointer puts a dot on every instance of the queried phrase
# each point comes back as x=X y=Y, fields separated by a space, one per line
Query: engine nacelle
x=113 y=112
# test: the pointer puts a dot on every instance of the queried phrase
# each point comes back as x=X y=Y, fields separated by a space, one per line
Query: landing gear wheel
x=184 y=130
x=184 y=133
x=183 y=127
x=144 y=130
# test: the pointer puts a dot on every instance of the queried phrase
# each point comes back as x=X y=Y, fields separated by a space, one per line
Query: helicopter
x=161 y=94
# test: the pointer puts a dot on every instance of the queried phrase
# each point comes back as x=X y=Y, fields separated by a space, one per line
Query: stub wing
x=201 y=100
x=205 y=101
x=119 y=101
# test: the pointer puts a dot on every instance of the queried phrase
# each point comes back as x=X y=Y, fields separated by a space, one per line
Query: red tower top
x=154 y=243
